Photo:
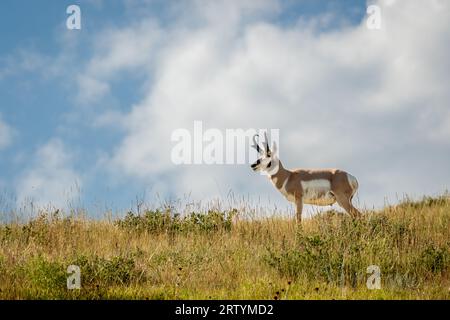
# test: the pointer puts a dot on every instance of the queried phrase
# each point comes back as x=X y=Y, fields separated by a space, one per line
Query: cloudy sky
x=86 y=115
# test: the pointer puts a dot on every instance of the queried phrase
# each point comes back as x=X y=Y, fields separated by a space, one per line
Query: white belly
x=318 y=192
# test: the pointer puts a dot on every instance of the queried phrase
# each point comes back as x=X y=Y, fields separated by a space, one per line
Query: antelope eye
x=270 y=163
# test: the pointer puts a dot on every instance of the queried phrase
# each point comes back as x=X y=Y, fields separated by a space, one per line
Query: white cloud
x=21 y=61
x=374 y=102
x=6 y=134
x=90 y=89
x=51 y=179
x=117 y=50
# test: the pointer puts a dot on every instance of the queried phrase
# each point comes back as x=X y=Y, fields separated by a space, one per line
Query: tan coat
x=316 y=186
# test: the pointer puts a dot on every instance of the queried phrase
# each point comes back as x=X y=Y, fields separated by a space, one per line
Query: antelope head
x=268 y=161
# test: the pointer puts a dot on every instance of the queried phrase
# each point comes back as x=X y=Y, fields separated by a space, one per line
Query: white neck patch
x=273 y=168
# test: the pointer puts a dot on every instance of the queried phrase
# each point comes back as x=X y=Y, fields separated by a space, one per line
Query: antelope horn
x=255 y=144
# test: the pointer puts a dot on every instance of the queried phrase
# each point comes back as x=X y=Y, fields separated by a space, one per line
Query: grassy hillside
x=215 y=255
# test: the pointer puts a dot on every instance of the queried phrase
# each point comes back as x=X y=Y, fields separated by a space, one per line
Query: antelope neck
x=282 y=174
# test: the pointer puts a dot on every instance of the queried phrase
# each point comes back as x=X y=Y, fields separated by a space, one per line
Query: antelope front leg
x=299 y=204
x=346 y=203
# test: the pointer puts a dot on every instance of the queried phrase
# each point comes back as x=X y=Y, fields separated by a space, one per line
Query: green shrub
x=425 y=202
x=100 y=272
x=158 y=221
x=312 y=257
x=340 y=252
x=47 y=277
x=434 y=259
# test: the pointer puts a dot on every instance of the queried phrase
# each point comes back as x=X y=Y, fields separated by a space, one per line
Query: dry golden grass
x=206 y=256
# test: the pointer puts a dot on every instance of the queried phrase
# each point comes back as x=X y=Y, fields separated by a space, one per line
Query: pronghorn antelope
x=320 y=187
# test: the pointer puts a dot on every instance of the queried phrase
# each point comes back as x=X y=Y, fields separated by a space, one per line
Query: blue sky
x=72 y=102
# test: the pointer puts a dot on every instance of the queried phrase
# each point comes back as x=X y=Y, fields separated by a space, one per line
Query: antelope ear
x=274 y=148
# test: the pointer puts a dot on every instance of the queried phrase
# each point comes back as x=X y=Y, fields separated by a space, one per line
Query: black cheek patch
x=270 y=163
